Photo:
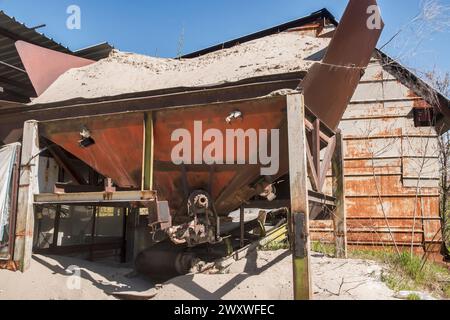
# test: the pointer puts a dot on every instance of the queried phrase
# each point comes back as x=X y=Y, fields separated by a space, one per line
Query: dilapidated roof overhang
x=14 y=80
x=422 y=89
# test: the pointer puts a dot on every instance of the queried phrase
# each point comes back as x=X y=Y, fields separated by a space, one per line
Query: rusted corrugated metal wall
x=391 y=169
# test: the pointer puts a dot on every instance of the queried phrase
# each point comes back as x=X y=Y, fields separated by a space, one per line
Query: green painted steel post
x=148 y=155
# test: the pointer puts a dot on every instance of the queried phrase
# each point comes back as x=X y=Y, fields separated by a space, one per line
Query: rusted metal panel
x=357 y=49
x=117 y=151
x=395 y=207
x=355 y=168
x=372 y=128
x=118 y=148
x=44 y=66
x=382 y=185
x=420 y=147
x=420 y=168
x=371 y=148
x=346 y=58
x=381 y=90
x=375 y=72
x=229 y=182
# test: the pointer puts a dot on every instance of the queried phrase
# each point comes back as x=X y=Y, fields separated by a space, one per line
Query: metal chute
x=329 y=85
x=44 y=66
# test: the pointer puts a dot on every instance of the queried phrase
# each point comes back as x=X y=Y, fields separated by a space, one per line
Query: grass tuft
x=405 y=272
x=324 y=248
x=413 y=297
x=275 y=246
x=408 y=273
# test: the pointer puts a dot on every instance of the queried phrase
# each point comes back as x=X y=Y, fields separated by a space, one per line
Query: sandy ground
x=268 y=276
x=263 y=275
x=48 y=280
x=127 y=72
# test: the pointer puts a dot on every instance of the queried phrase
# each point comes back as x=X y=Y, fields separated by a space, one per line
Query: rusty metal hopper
x=134 y=148
x=329 y=86
x=121 y=142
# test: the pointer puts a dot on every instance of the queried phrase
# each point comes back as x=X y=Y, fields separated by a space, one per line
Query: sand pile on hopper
x=122 y=72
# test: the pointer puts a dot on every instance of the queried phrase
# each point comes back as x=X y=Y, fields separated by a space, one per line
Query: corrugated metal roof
x=95 y=52
x=14 y=81
x=313 y=17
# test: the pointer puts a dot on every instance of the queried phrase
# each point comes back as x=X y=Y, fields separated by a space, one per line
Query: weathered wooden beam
x=316 y=145
x=299 y=218
x=62 y=161
x=28 y=186
x=327 y=162
x=310 y=126
x=242 y=226
x=340 y=214
x=312 y=173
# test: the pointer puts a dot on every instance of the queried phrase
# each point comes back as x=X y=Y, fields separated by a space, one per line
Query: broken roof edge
x=95 y=52
x=323 y=13
x=419 y=86
x=31 y=32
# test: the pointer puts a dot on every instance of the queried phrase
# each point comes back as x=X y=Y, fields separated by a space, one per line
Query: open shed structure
x=347 y=164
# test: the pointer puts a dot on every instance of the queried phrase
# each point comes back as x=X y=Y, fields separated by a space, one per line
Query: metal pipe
x=94 y=220
x=56 y=226
x=123 y=250
x=242 y=224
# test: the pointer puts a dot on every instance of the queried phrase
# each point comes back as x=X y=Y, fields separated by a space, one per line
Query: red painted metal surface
x=225 y=182
x=118 y=149
x=44 y=66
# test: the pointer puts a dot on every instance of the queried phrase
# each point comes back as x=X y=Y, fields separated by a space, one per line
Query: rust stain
x=421 y=104
x=378 y=76
x=412 y=94
x=9 y=265
x=118 y=149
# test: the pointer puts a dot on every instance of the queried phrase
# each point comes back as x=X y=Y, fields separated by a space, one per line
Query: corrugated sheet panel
x=391 y=168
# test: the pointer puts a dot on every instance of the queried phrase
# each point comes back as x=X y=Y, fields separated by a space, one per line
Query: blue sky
x=154 y=27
